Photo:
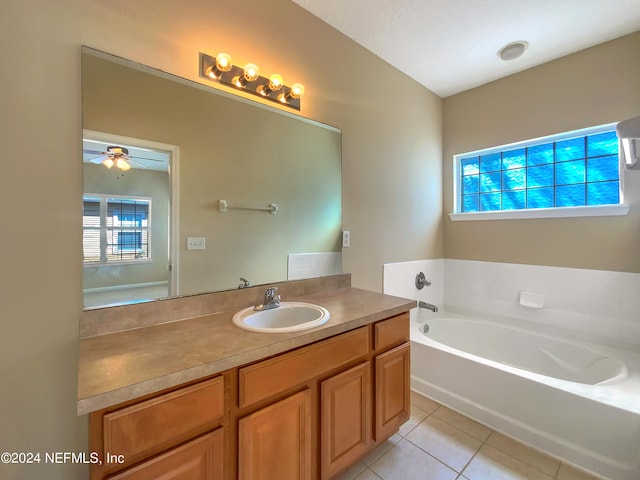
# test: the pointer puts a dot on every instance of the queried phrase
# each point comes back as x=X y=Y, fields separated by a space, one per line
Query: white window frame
x=104 y=261
x=555 y=212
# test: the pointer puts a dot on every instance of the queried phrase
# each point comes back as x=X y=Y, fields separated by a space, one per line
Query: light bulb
x=223 y=62
x=122 y=164
x=297 y=90
x=251 y=72
x=108 y=162
x=275 y=82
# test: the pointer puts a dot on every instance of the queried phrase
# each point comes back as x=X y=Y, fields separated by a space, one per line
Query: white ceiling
x=451 y=45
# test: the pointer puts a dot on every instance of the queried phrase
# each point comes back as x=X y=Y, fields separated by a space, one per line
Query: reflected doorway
x=129 y=210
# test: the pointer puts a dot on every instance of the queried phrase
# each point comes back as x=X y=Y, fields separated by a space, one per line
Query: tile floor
x=437 y=443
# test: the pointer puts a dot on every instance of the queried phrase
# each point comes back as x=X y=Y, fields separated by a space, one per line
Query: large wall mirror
x=160 y=153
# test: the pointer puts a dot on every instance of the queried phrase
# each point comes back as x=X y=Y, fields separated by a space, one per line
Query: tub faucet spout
x=428 y=306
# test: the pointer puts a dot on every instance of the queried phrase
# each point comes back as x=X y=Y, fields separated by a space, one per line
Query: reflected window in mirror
x=115 y=229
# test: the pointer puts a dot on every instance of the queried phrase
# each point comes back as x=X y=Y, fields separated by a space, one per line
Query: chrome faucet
x=428 y=306
x=271 y=300
x=245 y=283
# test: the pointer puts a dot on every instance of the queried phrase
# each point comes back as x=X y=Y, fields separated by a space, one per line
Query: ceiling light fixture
x=248 y=78
x=512 y=50
x=117 y=156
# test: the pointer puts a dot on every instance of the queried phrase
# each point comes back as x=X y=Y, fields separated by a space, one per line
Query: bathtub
x=577 y=402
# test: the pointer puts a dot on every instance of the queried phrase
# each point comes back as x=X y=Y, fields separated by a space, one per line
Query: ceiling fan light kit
x=117 y=156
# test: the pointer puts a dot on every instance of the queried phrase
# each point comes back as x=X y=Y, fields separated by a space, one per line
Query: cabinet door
x=275 y=442
x=201 y=459
x=345 y=419
x=392 y=391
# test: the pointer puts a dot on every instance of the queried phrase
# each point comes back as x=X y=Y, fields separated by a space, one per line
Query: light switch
x=346 y=238
x=195 y=243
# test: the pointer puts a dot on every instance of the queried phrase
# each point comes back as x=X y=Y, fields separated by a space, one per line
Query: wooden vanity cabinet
x=275 y=441
x=392 y=391
x=162 y=433
x=366 y=404
x=306 y=414
x=201 y=458
x=281 y=382
x=392 y=373
x=345 y=412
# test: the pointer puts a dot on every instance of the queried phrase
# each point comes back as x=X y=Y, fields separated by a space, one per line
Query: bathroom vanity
x=173 y=388
x=201 y=398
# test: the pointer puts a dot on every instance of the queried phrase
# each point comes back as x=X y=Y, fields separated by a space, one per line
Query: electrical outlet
x=346 y=238
x=195 y=243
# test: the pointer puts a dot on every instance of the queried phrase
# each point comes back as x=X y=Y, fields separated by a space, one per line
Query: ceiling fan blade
x=98 y=160
x=146 y=158
x=132 y=161
x=93 y=152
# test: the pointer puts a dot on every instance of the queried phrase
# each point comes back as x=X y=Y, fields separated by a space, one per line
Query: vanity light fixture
x=221 y=69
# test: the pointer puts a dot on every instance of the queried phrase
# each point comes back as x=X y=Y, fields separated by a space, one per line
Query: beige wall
x=391 y=170
x=592 y=87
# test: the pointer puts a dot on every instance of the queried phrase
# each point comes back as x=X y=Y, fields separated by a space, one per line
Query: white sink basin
x=288 y=317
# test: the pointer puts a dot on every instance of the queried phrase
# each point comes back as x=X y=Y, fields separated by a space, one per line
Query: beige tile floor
x=437 y=443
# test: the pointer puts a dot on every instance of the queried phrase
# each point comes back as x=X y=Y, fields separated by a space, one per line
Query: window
x=575 y=169
x=115 y=229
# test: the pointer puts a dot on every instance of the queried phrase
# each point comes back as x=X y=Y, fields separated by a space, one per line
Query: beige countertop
x=121 y=366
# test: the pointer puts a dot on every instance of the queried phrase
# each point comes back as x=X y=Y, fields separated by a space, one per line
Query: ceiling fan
x=119 y=156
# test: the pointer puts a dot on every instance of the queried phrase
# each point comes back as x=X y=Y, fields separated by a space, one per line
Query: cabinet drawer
x=151 y=426
x=391 y=332
x=262 y=380
x=202 y=458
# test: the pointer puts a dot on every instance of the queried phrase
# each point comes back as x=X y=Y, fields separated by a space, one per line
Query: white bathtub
x=578 y=402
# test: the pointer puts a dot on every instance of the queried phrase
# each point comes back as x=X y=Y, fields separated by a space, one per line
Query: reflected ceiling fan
x=120 y=158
